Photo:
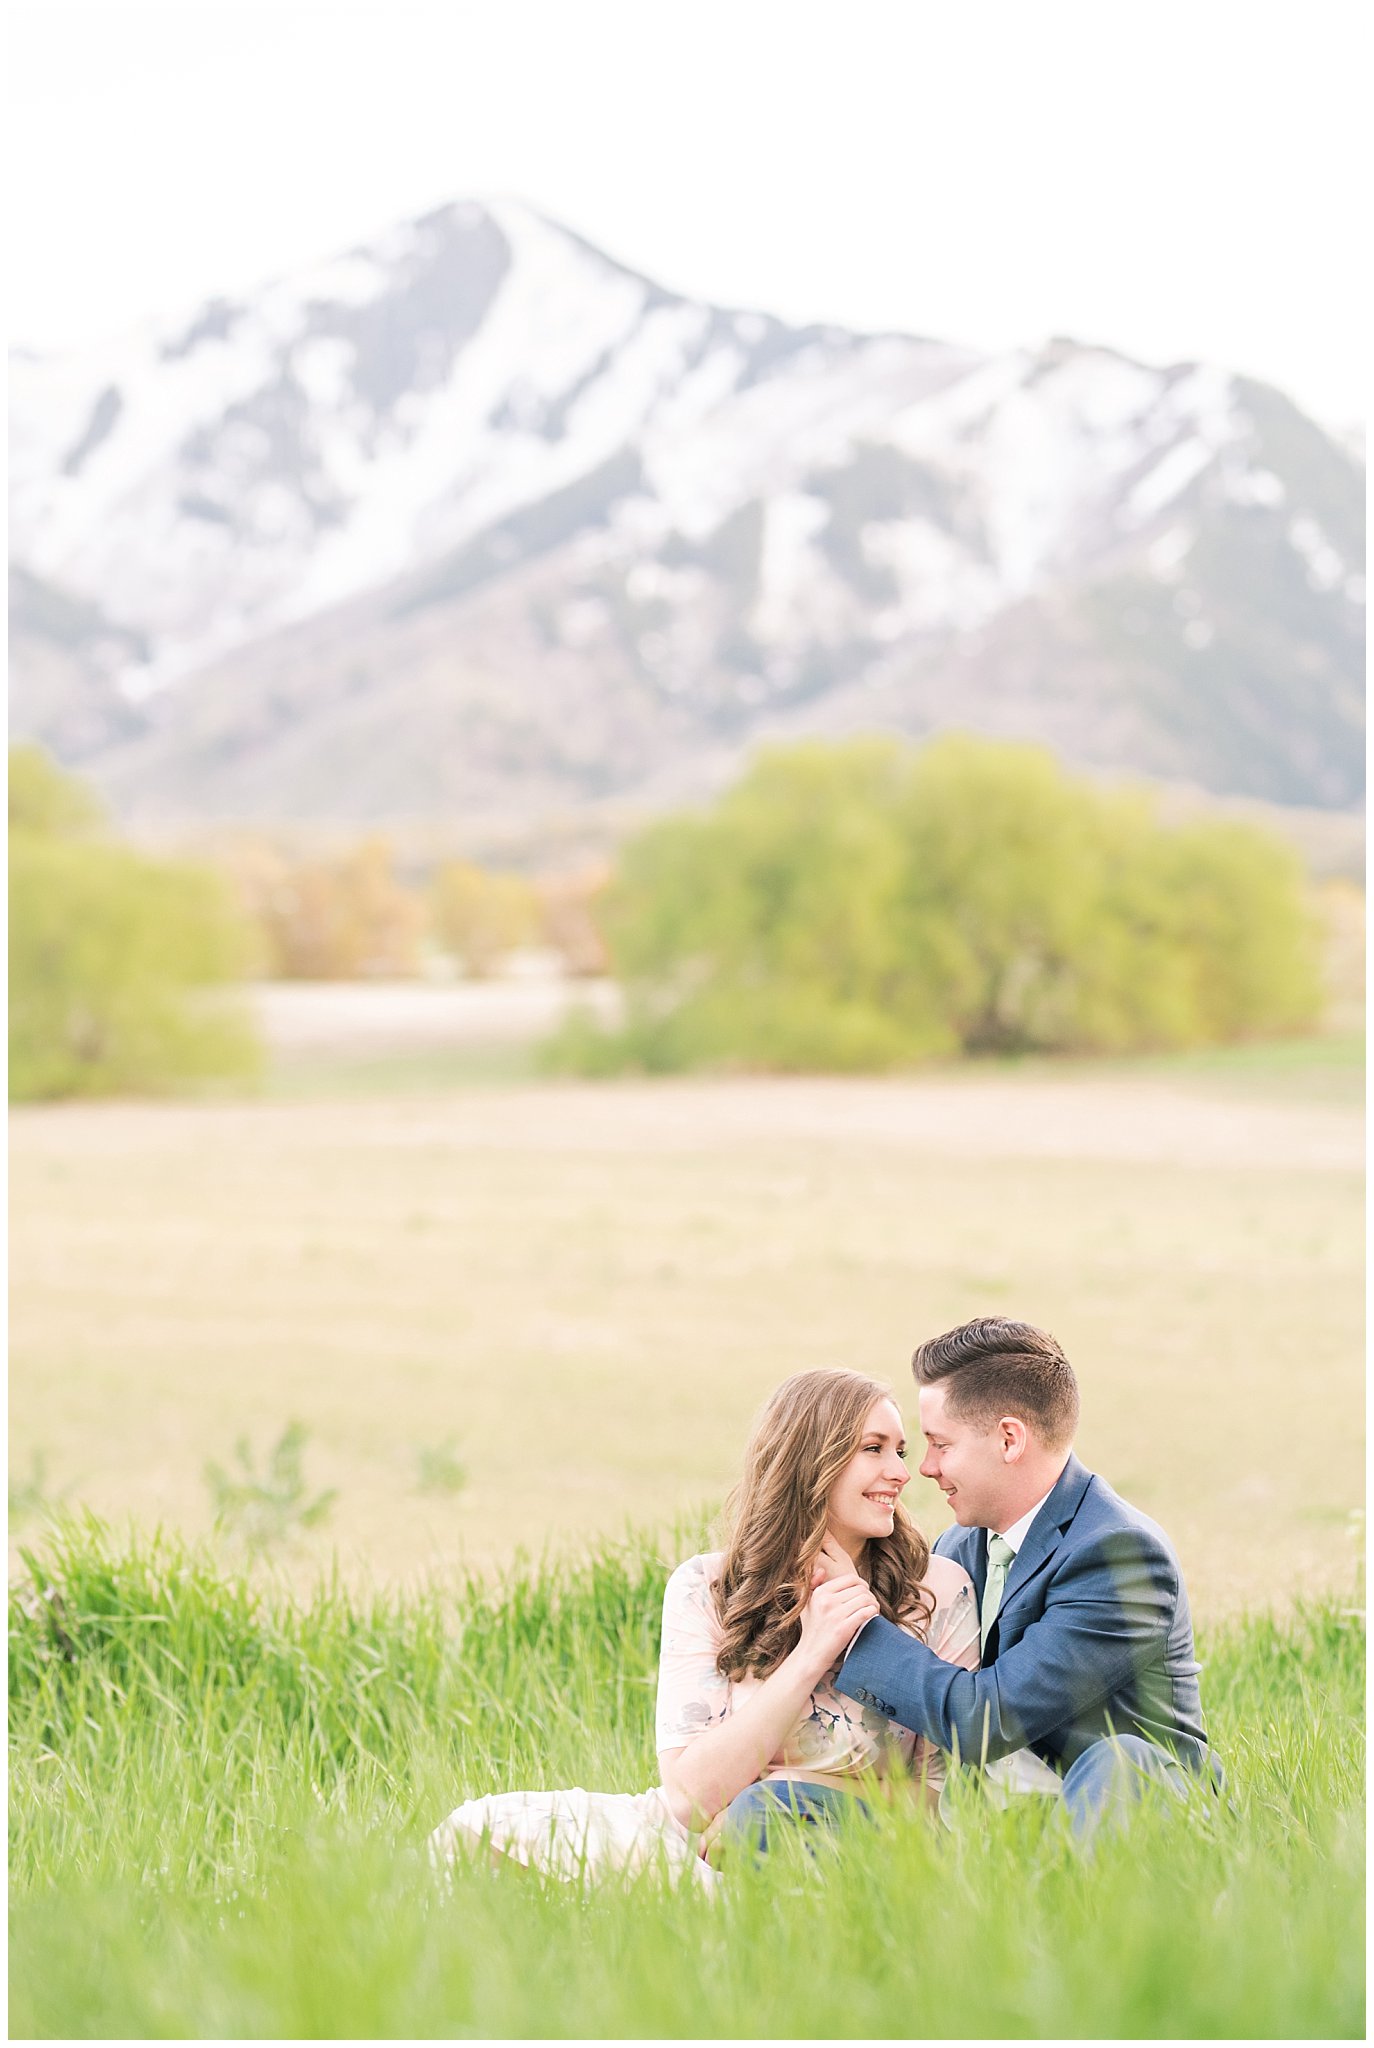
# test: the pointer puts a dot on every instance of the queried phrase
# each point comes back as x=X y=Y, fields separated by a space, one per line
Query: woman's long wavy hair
x=807 y=1434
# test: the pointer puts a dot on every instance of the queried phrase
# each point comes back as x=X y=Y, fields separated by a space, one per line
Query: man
x=1088 y=1687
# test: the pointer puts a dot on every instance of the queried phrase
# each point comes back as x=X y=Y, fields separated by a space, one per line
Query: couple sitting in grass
x=1044 y=1646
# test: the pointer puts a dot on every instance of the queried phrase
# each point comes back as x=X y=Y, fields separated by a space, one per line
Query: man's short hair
x=994 y=1367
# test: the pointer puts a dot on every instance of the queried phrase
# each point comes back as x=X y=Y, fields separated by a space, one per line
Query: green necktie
x=1000 y=1555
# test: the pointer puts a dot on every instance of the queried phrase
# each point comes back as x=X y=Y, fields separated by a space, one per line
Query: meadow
x=572 y=1298
x=219 y=1803
x=525 y=1325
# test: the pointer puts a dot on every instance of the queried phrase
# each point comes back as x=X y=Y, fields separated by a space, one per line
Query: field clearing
x=591 y=1287
x=218 y=1802
x=303 y=1019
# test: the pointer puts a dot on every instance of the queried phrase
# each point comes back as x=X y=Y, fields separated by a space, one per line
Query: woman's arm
x=702 y=1778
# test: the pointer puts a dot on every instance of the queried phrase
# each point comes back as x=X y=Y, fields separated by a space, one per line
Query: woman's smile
x=863 y=1499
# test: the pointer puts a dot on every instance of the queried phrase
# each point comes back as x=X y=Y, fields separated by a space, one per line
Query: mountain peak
x=477 y=465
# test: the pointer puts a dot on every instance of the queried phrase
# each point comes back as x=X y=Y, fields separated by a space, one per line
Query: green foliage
x=117 y=961
x=867 y=905
x=218 y=1803
x=481 y=917
x=439 y=1469
x=43 y=799
x=29 y=1493
x=264 y=1511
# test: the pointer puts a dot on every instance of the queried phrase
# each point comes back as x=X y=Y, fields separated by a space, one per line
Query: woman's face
x=863 y=1500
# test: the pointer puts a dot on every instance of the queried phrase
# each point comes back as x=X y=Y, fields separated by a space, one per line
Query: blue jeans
x=1103 y=1784
x=783 y=1805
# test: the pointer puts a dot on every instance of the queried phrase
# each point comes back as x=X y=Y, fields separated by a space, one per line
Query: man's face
x=968 y=1465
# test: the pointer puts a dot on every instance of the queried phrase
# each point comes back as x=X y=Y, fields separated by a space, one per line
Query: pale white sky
x=1175 y=178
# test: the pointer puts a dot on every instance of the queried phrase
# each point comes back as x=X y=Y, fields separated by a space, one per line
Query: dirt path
x=1141 y=1121
x=348 y=1019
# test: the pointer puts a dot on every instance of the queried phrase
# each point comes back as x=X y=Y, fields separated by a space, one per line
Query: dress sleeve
x=955 y=1635
x=955 y=1632
x=692 y=1695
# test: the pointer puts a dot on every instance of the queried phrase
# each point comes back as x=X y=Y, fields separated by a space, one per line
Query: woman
x=748 y=1717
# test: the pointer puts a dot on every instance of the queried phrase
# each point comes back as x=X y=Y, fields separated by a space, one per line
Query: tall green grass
x=219 y=1802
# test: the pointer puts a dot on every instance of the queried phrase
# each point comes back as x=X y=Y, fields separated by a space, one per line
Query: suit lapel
x=976 y=1565
x=970 y=1546
x=1046 y=1531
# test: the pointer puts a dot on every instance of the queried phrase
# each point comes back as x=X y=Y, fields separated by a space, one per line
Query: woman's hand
x=832 y=1562
x=707 y=1773
x=838 y=1608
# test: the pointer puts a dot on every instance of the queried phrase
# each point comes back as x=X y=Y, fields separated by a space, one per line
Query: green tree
x=769 y=933
x=1240 y=912
x=1002 y=889
x=868 y=904
x=43 y=799
x=118 y=962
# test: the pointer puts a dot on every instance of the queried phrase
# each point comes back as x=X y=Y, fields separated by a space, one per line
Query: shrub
x=118 y=962
x=865 y=905
x=267 y=1508
x=480 y=917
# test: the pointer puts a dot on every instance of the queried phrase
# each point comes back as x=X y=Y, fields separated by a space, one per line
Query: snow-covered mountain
x=476 y=520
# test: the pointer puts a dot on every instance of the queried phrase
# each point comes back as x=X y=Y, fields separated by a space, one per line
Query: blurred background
x=686 y=701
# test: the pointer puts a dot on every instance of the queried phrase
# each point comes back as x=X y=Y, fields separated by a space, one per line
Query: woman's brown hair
x=807 y=1434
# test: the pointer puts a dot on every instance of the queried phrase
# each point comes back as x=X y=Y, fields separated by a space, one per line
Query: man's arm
x=1106 y=1612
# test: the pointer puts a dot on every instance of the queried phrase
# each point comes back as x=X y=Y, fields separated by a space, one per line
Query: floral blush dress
x=573 y=1833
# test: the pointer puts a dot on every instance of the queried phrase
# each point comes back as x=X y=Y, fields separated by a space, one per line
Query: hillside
x=475 y=523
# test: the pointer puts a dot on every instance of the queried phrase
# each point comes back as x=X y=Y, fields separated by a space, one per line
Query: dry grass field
x=592 y=1287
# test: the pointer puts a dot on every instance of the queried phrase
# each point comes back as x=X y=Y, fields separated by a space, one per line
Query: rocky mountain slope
x=475 y=523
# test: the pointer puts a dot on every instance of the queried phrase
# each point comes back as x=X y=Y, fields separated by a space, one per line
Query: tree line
x=353 y=915
x=844 y=907
x=125 y=969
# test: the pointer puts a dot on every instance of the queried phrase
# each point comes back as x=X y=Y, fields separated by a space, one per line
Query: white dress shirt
x=1023 y=1770
x=1019 y=1531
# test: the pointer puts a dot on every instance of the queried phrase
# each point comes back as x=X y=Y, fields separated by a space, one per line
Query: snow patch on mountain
x=1170 y=476
x=249 y=456
x=480 y=434
x=1326 y=568
x=793 y=601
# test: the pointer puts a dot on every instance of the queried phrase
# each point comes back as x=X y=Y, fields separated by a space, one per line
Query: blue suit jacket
x=1093 y=1638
